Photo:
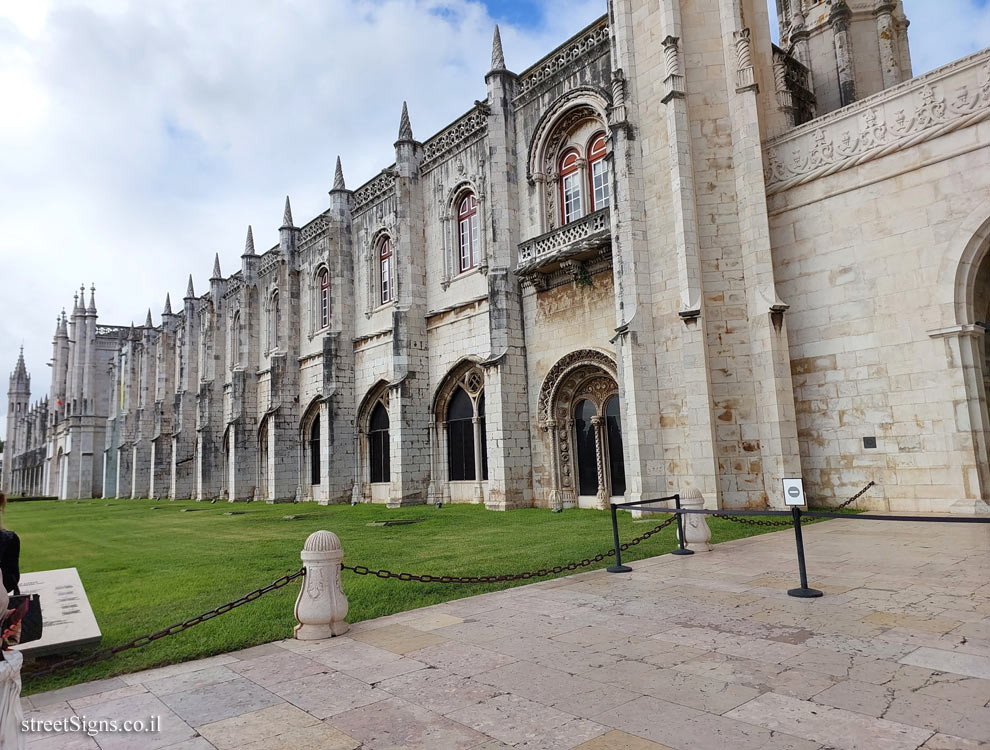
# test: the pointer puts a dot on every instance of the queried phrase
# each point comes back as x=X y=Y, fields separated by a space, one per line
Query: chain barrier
x=804 y=519
x=144 y=640
x=361 y=570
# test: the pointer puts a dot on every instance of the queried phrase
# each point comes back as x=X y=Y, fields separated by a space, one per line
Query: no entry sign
x=794 y=491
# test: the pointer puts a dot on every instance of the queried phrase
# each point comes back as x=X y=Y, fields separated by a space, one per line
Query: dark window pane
x=314 y=451
x=378 y=449
x=585 y=448
x=613 y=425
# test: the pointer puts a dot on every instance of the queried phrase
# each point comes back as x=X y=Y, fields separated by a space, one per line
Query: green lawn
x=146 y=565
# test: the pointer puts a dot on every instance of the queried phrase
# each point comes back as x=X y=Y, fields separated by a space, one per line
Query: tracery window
x=378 y=446
x=570 y=186
x=598 y=172
x=385 y=267
x=323 y=279
x=460 y=437
x=314 y=450
x=467 y=232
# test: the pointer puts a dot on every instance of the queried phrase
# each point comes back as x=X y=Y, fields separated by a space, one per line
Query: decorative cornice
x=461 y=133
x=947 y=99
x=312 y=232
x=592 y=39
x=375 y=189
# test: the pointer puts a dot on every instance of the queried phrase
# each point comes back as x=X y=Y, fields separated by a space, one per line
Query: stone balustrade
x=590 y=233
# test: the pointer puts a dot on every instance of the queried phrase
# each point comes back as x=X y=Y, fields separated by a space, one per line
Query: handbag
x=31 y=624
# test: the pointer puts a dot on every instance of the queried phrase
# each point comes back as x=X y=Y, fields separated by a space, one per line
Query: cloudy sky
x=140 y=137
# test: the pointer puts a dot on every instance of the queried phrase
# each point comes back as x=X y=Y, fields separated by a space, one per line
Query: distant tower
x=18 y=398
x=854 y=48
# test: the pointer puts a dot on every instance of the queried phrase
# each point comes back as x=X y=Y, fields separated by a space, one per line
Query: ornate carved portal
x=580 y=418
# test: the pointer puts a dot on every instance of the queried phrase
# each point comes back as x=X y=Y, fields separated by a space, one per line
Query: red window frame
x=597 y=150
x=385 y=270
x=467 y=232
x=324 y=277
x=569 y=164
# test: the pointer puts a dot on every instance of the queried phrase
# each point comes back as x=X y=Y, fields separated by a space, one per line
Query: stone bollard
x=696 y=531
x=321 y=605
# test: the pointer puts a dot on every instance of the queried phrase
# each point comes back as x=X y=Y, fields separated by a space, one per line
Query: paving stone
x=256 y=725
x=437 y=690
x=395 y=724
x=399 y=639
x=40 y=700
x=171 y=727
x=74 y=741
x=255 y=652
x=948 y=742
x=429 y=620
x=189 y=680
x=938 y=625
x=950 y=661
x=846 y=729
x=196 y=743
x=375 y=673
x=480 y=633
x=616 y=740
x=687 y=729
x=464 y=659
x=510 y=718
x=862 y=697
x=948 y=717
x=565 y=736
x=219 y=701
x=955 y=688
x=536 y=682
x=275 y=668
x=138 y=678
x=325 y=695
x=92 y=700
x=351 y=654
x=319 y=737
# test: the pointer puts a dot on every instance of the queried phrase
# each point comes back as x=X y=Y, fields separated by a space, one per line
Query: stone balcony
x=575 y=248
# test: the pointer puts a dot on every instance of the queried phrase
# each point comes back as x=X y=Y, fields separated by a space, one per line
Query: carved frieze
x=947 y=99
x=464 y=131
x=376 y=189
x=594 y=40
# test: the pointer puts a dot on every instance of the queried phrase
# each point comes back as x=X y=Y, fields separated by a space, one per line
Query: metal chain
x=804 y=519
x=361 y=570
x=178 y=627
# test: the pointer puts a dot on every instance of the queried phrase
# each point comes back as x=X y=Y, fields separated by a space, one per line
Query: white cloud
x=140 y=137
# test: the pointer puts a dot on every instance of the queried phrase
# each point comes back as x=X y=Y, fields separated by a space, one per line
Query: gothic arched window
x=385 y=268
x=598 y=172
x=460 y=437
x=378 y=453
x=234 y=351
x=570 y=186
x=323 y=279
x=273 y=321
x=587 y=447
x=314 y=450
x=467 y=232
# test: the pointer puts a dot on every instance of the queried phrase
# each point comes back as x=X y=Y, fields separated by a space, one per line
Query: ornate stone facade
x=662 y=257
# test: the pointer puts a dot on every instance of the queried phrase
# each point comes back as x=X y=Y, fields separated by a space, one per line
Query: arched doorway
x=579 y=414
x=312 y=475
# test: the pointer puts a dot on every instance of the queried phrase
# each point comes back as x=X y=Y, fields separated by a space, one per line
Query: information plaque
x=69 y=623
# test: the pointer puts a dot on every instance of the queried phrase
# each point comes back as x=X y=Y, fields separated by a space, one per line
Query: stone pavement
x=705 y=652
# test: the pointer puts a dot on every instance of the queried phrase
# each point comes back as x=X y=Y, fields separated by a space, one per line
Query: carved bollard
x=321 y=605
x=696 y=531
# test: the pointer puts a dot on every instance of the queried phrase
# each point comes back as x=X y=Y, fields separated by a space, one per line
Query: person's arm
x=10 y=563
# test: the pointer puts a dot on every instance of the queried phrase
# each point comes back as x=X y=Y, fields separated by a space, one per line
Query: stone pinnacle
x=498 y=58
x=338 y=177
x=405 y=127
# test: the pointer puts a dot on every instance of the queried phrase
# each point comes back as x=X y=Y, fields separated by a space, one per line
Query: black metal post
x=804 y=592
x=681 y=550
x=618 y=567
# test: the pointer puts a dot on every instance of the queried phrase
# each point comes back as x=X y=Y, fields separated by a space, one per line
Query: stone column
x=479 y=491
x=890 y=65
x=601 y=496
x=839 y=19
x=554 y=500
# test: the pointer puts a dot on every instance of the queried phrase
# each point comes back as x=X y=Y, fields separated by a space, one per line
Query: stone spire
x=216 y=261
x=287 y=214
x=76 y=307
x=190 y=292
x=147 y=321
x=248 y=244
x=405 y=127
x=338 y=177
x=498 y=58
x=91 y=309
x=63 y=329
x=20 y=369
x=168 y=305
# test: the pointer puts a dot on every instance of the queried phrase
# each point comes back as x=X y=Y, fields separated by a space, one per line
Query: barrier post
x=321 y=605
x=803 y=592
x=681 y=550
x=618 y=567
